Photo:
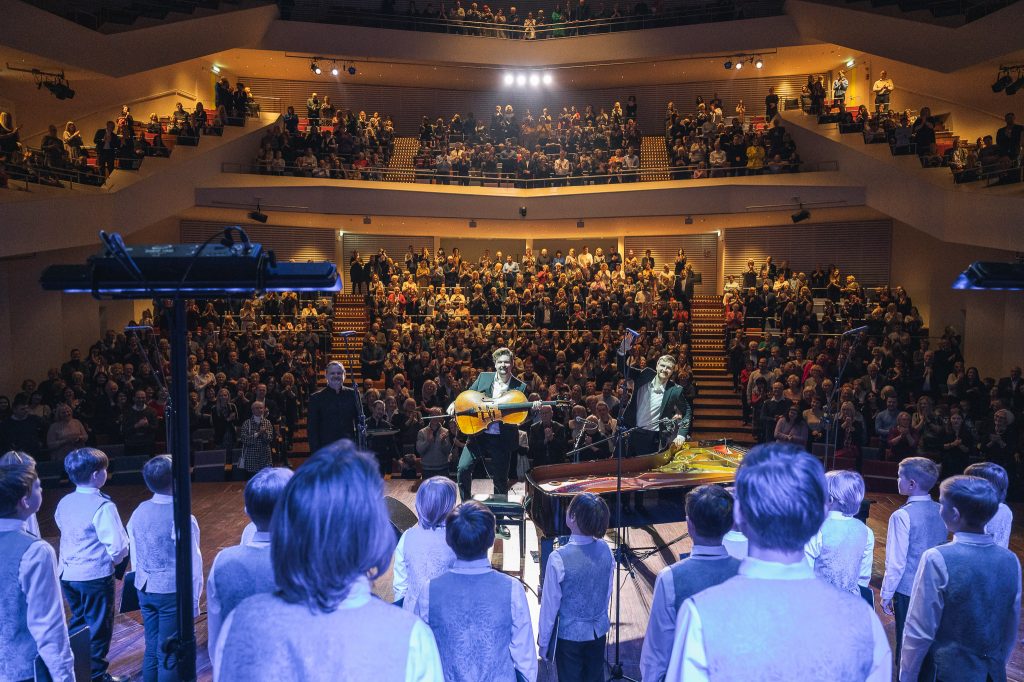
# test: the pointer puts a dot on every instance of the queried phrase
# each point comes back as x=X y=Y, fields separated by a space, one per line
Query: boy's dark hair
x=709 y=509
x=16 y=481
x=82 y=463
x=262 y=493
x=974 y=497
x=469 y=530
x=157 y=473
x=591 y=514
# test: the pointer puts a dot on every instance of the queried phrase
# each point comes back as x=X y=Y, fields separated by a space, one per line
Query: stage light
x=688 y=220
x=351 y=70
x=472 y=223
x=315 y=68
x=992 y=276
x=334 y=71
x=366 y=220
x=60 y=89
x=738 y=66
x=547 y=79
x=579 y=224
x=215 y=68
x=850 y=63
x=1015 y=86
x=534 y=80
x=728 y=65
x=521 y=80
x=801 y=215
x=509 y=79
x=258 y=216
x=1001 y=82
x=759 y=63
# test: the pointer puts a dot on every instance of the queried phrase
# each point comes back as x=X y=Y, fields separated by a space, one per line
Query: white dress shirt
x=926 y=605
x=37 y=576
x=735 y=544
x=552 y=595
x=248 y=533
x=31 y=526
x=214 y=609
x=998 y=527
x=197 y=557
x=661 y=628
x=109 y=529
x=813 y=549
x=648 y=406
x=689 y=658
x=897 y=542
x=423 y=663
x=522 y=648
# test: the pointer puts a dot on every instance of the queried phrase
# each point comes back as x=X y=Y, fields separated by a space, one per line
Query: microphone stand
x=360 y=417
x=830 y=418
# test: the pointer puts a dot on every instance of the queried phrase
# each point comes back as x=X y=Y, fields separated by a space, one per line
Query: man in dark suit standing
x=1011 y=390
x=499 y=440
x=332 y=410
x=107 y=145
x=655 y=398
x=547 y=439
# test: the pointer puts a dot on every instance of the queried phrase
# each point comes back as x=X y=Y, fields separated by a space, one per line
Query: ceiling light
x=472 y=223
x=1001 y=82
x=688 y=220
x=534 y=80
x=258 y=216
x=366 y=220
x=215 y=68
x=739 y=65
x=351 y=70
x=509 y=79
x=759 y=63
x=801 y=215
x=728 y=65
x=1015 y=86
x=849 y=63
x=547 y=79
x=315 y=68
x=579 y=224
x=521 y=80
x=334 y=70
x=60 y=89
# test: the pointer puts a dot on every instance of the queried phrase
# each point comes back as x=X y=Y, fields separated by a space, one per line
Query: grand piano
x=658 y=482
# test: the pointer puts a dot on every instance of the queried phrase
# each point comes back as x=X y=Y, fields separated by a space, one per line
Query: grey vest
x=471 y=617
x=583 y=613
x=242 y=571
x=153 y=553
x=785 y=630
x=926 y=531
x=16 y=642
x=696 y=574
x=842 y=548
x=427 y=556
x=977 y=612
x=271 y=640
x=82 y=555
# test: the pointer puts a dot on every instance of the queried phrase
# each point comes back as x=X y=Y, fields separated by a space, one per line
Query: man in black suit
x=655 y=398
x=107 y=145
x=332 y=410
x=499 y=440
x=1011 y=390
x=547 y=439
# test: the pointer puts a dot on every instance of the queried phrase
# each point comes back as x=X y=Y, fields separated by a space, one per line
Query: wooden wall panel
x=407 y=106
x=701 y=252
x=288 y=243
x=856 y=248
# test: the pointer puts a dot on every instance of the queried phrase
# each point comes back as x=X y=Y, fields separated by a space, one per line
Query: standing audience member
x=882 y=88
x=151 y=534
x=257 y=438
x=709 y=516
x=842 y=551
x=577 y=590
x=913 y=528
x=422 y=553
x=245 y=569
x=65 y=434
x=31 y=609
x=107 y=145
x=323 y=616
x=1001 y=523
x=792 y=626
x=471 y=599
x=964 y=611
x=93 y=543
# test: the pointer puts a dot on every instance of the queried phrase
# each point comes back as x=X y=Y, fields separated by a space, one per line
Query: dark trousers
x=484 y=445
x=92 y=606
x=159 y=618
x=643 y=442
x=900 y=606
x=580 y=661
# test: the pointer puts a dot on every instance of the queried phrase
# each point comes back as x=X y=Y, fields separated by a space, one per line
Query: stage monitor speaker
x=402 y=518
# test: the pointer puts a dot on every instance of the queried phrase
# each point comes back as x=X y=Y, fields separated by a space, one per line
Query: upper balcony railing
x=603 y=21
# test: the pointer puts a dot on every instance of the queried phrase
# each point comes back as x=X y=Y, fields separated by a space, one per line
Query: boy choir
x=287 y=604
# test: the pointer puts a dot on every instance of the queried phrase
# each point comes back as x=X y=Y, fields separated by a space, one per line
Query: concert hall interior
x=584 y=248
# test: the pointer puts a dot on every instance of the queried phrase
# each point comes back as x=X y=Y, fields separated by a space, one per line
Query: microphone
x=855 y=330
x=347 y=333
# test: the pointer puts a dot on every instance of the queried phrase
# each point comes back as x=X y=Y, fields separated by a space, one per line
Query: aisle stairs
x=400 y=167
x=653 y=155
x=717 y=410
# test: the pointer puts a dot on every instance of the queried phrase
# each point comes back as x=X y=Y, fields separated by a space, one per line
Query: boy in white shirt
x=1000 y=525
x=841 y=552
x=93 y=542
x=31 y=609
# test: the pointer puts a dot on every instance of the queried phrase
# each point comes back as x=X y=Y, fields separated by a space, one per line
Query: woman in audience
x=323 y=616
x=957 y=445
x=72 y=140
x=791 y=428
x=902 y=438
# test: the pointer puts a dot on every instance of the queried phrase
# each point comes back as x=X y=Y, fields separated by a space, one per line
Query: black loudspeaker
x=402 y=518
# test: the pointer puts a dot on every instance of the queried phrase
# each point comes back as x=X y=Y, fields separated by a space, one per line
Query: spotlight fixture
x=992 y=276
x=522 y=211
x=547 y=79
x=366 y=220
x=215 y=68
x=728 y=65
x=1001 y=82
x=521 y=79
x=509 y=79
x=472 y=223
x=334 y=70
x=351 y=70
x=1016 y=85
x=738 y=66
x=315 y=68
x=579 y=224
x=258 y=215
x=534 y=80
x=758 y=63
x=688 y=220
x=59 y=89
x=801 y=215
x=850 y=63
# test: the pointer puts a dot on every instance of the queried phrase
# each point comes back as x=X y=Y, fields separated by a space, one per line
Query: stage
x=219 y=509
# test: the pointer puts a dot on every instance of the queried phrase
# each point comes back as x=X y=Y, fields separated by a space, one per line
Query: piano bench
x=508 y=510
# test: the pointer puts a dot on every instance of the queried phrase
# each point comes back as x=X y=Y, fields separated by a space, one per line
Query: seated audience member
x=246 y=569
x=964 y=611
x=841 y=552
x=1000 y=524
x=577 y=590
x=151 y=534
x=793 y=626
x=478 y=643
x=93 y=543
x=12 y=458
x=902 y=438
x=323 y=622
x=709 y=516
x=423 y=553
x=31 y=610
x=913 y=528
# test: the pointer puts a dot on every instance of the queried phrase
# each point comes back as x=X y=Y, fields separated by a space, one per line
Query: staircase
x=653 y=155
x=400 y=168
x=718 y=409
x=349 y=316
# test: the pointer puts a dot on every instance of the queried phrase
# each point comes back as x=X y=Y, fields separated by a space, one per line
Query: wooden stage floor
x=218 y=508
